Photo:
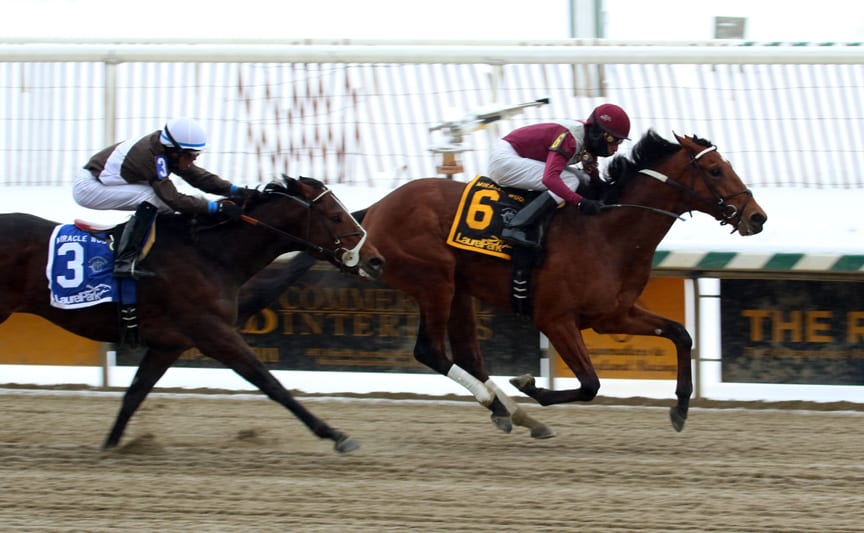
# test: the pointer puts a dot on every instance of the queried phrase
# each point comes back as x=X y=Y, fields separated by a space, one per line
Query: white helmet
x=183 y=134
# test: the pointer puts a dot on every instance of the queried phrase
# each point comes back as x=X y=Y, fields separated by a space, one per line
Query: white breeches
x=93 y=194
x=509 y=169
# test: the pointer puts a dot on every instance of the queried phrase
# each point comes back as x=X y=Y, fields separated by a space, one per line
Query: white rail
x=361 y=111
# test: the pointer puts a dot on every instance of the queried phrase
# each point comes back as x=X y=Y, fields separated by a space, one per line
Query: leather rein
x=341 y=255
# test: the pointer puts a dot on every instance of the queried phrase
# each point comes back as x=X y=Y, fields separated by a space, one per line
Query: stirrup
x=519 y=236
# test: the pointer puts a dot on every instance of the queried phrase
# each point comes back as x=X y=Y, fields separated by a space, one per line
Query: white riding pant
x=93 y=194
x=509 y=169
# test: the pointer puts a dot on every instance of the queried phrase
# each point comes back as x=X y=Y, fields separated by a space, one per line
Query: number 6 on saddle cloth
x=483 y=210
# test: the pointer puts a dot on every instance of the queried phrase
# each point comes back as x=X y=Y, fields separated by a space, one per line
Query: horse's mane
x=649 y=151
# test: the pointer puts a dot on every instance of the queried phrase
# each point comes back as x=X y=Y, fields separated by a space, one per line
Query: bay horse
x=595 y=268
x=199 y=263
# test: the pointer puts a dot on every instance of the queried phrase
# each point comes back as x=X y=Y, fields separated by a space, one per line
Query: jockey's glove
x=230 y=209
x=591 y=207
x=240 y=194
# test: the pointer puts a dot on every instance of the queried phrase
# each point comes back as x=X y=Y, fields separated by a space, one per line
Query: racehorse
x=595 y=267
x=199 y=264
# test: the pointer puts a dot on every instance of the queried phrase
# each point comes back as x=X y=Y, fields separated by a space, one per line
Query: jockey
x=134 y=174
x=538 y=157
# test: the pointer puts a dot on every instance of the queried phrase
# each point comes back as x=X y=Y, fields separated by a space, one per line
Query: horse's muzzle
x=752 y=222
x=372 y=267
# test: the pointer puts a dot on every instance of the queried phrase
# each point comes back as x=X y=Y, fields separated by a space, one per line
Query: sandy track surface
x=242 y=463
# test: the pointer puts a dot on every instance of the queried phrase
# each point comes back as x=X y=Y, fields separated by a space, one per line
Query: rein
x=349 y=258
x=346 y=257
x=284 y=234
x=648 y=207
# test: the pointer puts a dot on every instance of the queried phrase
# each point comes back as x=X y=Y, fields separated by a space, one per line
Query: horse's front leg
x=566 y=337
x=150 y=370
x=639 y=321
x=462 y=331
x=224 y=344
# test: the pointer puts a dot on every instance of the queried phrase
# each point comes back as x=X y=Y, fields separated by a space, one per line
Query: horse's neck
x=241 y=249
x=640 y=230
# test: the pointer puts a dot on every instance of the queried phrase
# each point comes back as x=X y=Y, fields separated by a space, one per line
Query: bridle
x=347 y=257
x=728 y=213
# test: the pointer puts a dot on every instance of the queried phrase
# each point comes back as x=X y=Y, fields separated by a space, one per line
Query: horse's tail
x=358 y=215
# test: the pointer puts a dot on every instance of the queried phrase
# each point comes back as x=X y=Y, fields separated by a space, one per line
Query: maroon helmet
x=611 y=119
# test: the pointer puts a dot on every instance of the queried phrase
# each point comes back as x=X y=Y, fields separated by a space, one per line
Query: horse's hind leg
x=228 y=347
x=462 y=331
x=152 y=367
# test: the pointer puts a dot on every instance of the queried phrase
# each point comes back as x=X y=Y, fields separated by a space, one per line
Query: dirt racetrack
x=200 y=463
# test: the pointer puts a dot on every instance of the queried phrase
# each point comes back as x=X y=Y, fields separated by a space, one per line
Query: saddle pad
x=80 y=269
x=480 y=217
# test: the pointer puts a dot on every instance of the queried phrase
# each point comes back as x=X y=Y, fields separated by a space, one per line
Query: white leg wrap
x=474 y=385
x=506 y=400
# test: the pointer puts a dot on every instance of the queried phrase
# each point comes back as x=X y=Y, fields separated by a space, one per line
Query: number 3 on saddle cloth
x=482 y=212
x=80 y=274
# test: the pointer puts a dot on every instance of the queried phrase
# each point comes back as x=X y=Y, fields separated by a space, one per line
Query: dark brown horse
x=199 y=265
x=594 y=269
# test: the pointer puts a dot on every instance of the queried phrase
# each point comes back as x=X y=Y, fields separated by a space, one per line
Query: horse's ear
x=291 y=184
x=680 y=138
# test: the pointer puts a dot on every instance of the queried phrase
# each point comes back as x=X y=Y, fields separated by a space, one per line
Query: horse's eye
x=716 y=172
x=336 y=218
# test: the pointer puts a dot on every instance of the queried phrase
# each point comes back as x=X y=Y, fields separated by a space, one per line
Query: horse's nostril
x=758 y=218
x=376 y=262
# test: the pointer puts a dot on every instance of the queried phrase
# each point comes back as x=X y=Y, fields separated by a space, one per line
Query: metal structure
x=360 y=111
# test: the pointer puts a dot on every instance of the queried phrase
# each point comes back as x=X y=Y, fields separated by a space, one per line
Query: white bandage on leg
x=474 y=385
x=503 y=398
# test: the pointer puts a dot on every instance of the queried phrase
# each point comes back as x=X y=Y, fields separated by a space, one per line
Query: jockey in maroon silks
x=539 y=157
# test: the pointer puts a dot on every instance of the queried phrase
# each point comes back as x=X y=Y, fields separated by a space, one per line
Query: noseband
x=728 y=213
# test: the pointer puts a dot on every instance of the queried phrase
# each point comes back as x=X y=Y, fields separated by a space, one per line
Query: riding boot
x=131 y=241
x=516 y=229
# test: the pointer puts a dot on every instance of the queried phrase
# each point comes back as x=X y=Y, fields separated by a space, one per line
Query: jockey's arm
x=555 y=164
x=168 y=193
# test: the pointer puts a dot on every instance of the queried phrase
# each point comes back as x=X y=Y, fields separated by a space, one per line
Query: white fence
x=361 y=112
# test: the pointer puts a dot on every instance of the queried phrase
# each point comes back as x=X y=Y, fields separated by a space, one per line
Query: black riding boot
x=131 y=241
x=516 y=230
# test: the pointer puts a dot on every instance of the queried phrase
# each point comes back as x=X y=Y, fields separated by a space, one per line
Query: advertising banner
x=802 y=332
x=333 y=321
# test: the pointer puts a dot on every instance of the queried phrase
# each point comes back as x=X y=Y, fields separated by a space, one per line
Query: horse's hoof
x=677 y=419
x=503 y=423
x=542 y=432
x=525 y=383
x=346 y=444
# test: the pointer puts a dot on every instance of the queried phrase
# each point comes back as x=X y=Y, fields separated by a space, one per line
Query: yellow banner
x=32 y=340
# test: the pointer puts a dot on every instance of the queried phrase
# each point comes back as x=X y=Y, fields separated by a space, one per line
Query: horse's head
x=701 y=177
x=716 y=184
x=305 y=211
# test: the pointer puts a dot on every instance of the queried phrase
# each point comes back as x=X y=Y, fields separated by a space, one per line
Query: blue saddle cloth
x=79 y=270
